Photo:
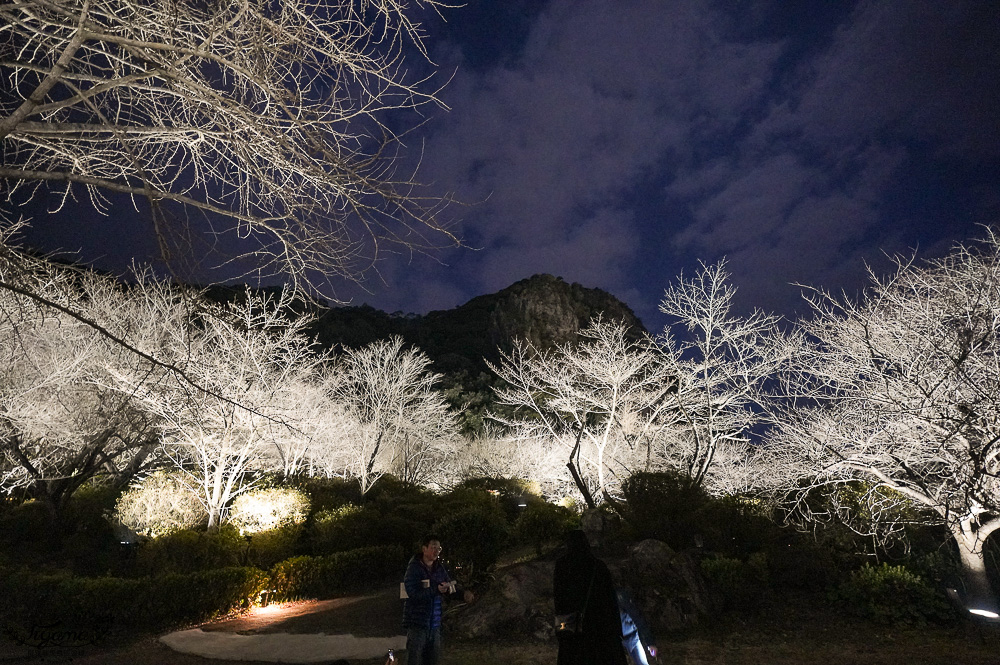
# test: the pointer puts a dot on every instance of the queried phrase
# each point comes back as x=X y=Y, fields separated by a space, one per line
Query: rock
x=667 y=587
x=519 y=603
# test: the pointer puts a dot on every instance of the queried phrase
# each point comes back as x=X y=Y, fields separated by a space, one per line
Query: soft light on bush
x=270 y=508
x=159 y=504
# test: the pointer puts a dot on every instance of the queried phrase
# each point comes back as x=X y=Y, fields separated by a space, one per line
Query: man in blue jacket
x=426 y=582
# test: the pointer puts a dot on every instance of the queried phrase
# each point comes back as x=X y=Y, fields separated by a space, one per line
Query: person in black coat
x=599 y=641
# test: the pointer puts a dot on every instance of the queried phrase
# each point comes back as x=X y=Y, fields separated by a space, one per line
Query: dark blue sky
x=616 y=143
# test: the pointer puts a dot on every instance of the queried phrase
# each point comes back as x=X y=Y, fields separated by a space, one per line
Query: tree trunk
x=979 y=593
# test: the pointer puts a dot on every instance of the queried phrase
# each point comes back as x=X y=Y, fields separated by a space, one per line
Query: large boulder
x=519 y=602
x=666 y=586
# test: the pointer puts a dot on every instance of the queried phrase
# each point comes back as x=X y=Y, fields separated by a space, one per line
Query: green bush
x=188 y=551
x=541 y=522
x=327 y=493
x=507 y=493
x=268 y=508
x=328 y=576
x=78 y=538
x=666 y=506
x=351 y=527
x=473 y=539
x=390 y=491
x=159 y=504
x=892 y=595
x=70 y=610
x=266 y=548
x=28 y=532
x=739 y=586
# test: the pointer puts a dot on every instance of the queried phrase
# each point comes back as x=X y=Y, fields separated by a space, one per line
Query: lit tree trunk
x=971 y=538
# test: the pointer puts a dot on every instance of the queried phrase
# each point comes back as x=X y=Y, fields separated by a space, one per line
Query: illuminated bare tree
x=719 y=371
x=268 y=118
x=602 y=402
x=389 y=392
x=502 y=453
x=249 y=361
x=901 y=390
x=61 y=423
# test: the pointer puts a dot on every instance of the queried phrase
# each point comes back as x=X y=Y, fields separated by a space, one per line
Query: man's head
x=430 y=547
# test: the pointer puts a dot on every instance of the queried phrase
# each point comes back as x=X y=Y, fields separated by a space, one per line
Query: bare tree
x=719 y=371
x=62 y=425
x=270 y=119
x=901 y=390
x=602 y=401
x=389 y=392
x=501 y=452
x=249 y=362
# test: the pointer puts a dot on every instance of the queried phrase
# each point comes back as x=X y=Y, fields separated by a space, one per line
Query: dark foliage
x=474 y=538
x=332 y=575
x=94 y=610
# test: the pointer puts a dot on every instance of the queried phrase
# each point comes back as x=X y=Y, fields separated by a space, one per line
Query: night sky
x=617 y=142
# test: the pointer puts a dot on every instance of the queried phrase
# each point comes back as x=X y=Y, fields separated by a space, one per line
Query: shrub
x=266 y=548
x=188 y=551
x=78 y=610
x=79 y=537
x=159 y=504
x=892 y=595
x=389 y=490
x=739 y=586
x=473 y=538
x=328 y=576
x=350 y=527
x=508 y=493
x=666 y=506
x=268 y=508
x=28 y=532
x=541 y=522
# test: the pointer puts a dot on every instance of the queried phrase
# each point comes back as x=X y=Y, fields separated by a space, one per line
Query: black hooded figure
x=600 y=640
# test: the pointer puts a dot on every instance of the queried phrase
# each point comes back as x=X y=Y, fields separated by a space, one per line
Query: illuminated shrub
x=159 y=504
x=268 y=508
x=893 y=595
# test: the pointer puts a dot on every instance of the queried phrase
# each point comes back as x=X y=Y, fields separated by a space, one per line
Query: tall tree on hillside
x=901 y=390
x=268 y=119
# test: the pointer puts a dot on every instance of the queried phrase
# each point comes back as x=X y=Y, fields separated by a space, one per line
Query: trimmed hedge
x=87 y=609
x=61 y=609
x=327 y=576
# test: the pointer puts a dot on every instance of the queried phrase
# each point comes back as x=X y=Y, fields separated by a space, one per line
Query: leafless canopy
x=265 y=118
